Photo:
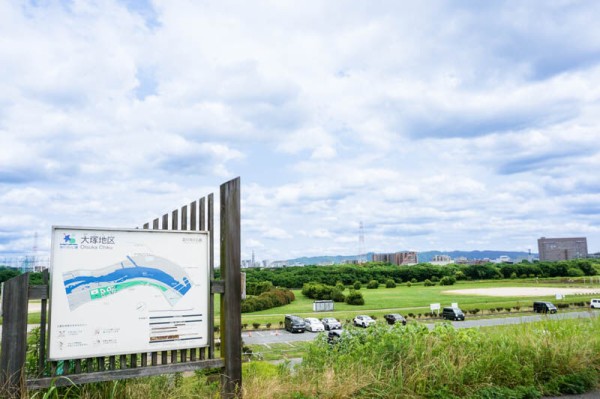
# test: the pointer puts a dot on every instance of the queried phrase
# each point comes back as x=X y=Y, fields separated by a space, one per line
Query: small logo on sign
x=69 y=241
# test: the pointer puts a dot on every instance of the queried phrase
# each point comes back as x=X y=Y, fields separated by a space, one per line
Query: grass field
x=415 y=299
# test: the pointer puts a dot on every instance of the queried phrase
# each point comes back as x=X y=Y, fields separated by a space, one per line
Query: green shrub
x=373 y=284
x=338 y=296
x=256 y=288
x=267 y=300
x=508 y=393
x=390 y=283
x=428 y=283
x=447 y=280
x=357 y=285
x=317 y=291
x=576 y=383
x=355 y=298
x=408 y=284
x=255 y=325
x=575 y=272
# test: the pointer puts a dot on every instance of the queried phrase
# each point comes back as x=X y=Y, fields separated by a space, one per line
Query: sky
x=463 y=125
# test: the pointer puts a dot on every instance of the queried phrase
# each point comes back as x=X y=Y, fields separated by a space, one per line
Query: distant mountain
x=422 y=256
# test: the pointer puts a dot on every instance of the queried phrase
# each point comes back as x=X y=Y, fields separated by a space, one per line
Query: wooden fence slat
x=154 y=358
x=38 y=291
x=43 y=313
x=211 y=268
x=174 y=219
x=184 y=212
x=123 y=361
x=89 y=365
x=144 y=360
x=165 y=221
x=193 y=216
x=77 y=369
x=146 y=226
x=202 y=212
x=155 y=224
x=163 y=357
x=101 y=365
x=14 y=333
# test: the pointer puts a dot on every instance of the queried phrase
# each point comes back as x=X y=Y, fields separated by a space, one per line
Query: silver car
x=331 y=323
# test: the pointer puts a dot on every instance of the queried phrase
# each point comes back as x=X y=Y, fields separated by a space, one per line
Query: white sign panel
x=434 y=306
x=116 y=291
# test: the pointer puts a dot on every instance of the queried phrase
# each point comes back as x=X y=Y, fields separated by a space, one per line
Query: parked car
x=544 y=307
x=394 y=318
x=451 y=313
x=313 y=324
x=595 y=303
x=294 y=324
x=363 y=321
x=331 y=324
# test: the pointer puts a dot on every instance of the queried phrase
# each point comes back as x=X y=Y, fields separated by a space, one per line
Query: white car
x=331 y=323
x=363 y=321
x=595 y=303
x=313 y=324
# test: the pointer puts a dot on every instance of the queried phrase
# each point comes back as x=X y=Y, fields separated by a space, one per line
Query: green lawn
x=415 y=299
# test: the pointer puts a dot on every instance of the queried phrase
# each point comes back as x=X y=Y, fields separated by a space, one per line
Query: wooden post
x=231 y=320
x=42 y=352
x=14 y=335
x=211 y=265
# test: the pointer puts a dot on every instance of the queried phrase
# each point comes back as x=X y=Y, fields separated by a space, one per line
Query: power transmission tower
x=361 y=243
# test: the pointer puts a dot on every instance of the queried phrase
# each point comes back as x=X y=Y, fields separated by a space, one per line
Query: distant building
x=397 y=258
x=441 y=260
x=553 y=249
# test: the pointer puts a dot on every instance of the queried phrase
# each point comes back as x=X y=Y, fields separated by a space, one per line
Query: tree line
x=297 y=276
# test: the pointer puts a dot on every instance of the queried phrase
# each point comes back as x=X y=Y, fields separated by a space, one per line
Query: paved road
x=282 y=336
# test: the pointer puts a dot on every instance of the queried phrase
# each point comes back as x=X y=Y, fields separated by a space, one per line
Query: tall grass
x=525 y=361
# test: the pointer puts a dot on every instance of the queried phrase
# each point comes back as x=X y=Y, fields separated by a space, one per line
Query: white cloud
x=463 y=126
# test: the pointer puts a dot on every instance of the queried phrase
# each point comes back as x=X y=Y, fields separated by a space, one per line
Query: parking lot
x=261 y=337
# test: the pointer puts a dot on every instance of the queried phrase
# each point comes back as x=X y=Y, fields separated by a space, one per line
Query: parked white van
x=595 y=303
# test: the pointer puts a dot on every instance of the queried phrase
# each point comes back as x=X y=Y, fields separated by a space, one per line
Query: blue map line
x=130 y=273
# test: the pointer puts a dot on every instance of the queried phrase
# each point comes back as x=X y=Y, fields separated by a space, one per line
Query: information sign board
x=119 y=291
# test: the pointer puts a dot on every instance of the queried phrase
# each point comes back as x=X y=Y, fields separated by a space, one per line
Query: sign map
x=127 y=291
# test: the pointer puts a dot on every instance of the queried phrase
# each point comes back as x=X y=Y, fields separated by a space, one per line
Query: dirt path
x=525 y=291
